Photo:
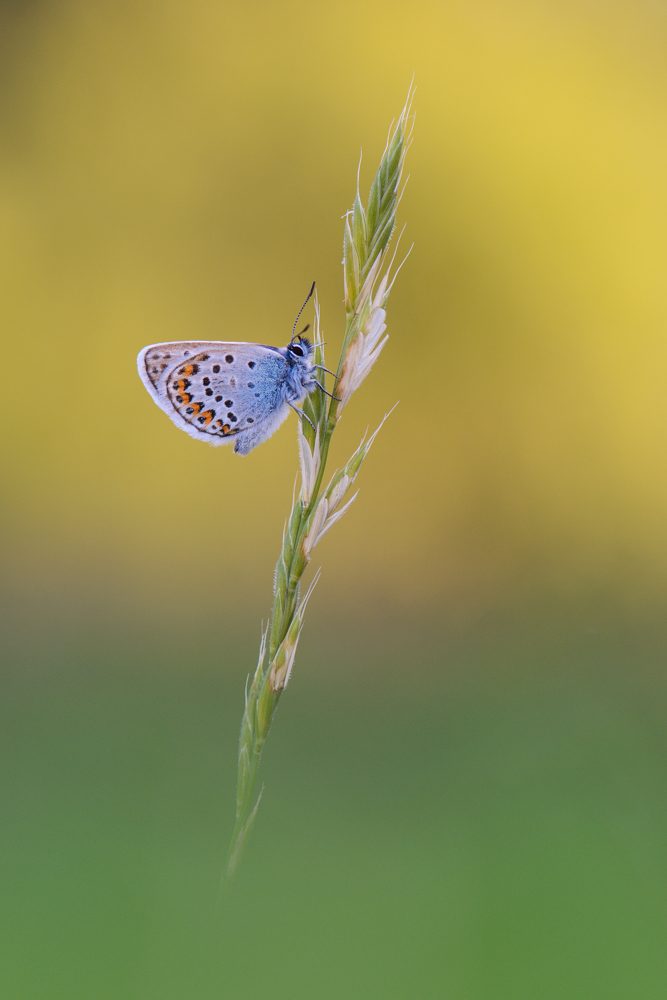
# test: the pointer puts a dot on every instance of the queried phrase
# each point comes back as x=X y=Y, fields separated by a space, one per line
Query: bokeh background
x=466 y=782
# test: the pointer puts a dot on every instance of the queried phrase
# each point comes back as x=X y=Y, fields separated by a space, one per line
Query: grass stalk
x=316 y=507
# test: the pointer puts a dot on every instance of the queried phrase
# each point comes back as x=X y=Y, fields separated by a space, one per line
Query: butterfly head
x=300 y=349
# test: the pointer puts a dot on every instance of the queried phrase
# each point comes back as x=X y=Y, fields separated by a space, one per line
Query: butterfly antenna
x=308 y=297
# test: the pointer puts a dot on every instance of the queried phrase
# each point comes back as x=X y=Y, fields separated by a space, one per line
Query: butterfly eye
x=295 y=349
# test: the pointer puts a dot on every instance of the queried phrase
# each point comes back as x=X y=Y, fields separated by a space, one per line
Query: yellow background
x=491 y=611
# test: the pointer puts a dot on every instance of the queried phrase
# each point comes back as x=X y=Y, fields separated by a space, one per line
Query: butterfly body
x=223 y=391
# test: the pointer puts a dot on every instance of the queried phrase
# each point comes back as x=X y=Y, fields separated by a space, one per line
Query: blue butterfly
x=223 y=391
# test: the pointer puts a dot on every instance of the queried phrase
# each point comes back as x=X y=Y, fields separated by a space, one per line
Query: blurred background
x=465 y=784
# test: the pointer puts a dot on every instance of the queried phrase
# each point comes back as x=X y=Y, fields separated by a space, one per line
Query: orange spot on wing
x=184 y=398
x=196 y=407
x=207 y=417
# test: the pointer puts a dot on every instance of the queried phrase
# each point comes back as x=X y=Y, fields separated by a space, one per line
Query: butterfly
x=223 y=391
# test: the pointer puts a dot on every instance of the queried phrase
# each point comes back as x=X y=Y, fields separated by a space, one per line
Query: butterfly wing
x=218 y=391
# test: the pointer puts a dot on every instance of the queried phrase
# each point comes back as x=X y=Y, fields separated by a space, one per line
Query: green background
x=465 y=785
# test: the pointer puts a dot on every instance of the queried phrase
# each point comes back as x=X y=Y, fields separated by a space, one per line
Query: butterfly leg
x=301 y=414
x=325 y=391
x=322 y=368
